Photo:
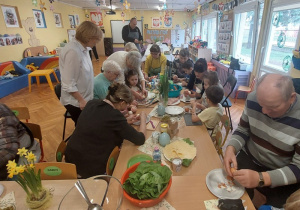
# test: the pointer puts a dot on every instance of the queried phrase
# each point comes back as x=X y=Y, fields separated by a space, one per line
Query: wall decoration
x=58 y=20
x=157 y=35
x=126 y=6
x=72 y=21
x=168 y=21
x=51 y=1
x=225 y=26
x=39 y=18
x=281 y=39
x=71 y=34
x=77 y=21
x=224 y=36
x=29 y=25
x=286 y=63
x=11 y=16
x=96 y=17
x=155 y=22
x=97 y=2
x=10 y=39
x=51 y=8
x=42 y=6
x=145 y=26
x=34 y=2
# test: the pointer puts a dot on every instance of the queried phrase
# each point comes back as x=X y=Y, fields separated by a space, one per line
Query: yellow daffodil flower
x=10 y=175
x=22 y=152
x=30 y=157
x=31 y=165
x=11 y=164
x=20 y=169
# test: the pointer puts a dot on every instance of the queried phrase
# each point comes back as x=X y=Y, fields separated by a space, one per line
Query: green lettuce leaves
x=148 y=181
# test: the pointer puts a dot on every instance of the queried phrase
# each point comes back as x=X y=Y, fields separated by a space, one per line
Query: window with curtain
x=244 y=39
x=282 y=37
x=197 y=27
x=209 y=31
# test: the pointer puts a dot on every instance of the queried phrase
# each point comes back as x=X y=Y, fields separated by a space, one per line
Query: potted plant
x=37 y=196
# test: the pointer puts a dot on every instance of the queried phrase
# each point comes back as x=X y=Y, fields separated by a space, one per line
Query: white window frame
x=207 y=17
x=283 y=4
x=198 y=19
x=247 y=7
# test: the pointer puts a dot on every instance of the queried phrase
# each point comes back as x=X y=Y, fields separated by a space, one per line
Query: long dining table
x=188 y=189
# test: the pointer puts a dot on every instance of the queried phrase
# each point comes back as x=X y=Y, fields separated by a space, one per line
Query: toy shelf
x=197 y=53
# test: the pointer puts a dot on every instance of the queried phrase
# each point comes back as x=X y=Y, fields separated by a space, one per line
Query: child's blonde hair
x=293 y=202
x=130 y=46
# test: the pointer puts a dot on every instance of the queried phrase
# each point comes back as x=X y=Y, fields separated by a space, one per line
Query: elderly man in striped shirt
x=267 y=141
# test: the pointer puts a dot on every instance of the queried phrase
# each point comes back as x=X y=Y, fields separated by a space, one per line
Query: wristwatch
x=261 y=181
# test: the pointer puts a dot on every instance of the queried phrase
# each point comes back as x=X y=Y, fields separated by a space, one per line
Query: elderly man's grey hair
x=134 y=58
x=130 y=46
x=111 y=66
x=283 y=83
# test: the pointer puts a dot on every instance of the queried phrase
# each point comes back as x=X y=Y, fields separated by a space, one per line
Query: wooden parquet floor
x=46 y=110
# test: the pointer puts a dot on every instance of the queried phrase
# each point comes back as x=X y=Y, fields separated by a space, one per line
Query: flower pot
x=42 y=202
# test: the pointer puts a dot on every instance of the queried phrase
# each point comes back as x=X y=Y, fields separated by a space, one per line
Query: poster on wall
x=223 y=48
x=72 y=21
x=96 y=17
x=177 y=37
x=157 y=35
x=58 y=20
x=155 y=22
x=77 y=21
x=168 y=21
x=11 y=16
x=224 y=37
x=39 y=18
x=71 y=34
x=10 y=39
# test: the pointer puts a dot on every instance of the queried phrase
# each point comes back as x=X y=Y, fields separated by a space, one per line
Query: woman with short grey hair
x=129 y=60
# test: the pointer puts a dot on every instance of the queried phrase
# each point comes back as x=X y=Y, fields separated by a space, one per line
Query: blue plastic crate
x=296 y=62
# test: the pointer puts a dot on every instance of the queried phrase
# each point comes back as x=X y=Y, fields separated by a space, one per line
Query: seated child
x=155 y=62
x=196 y=79
x=209 y=79
x=211 y=116
x=178 y=72
x=188 y=70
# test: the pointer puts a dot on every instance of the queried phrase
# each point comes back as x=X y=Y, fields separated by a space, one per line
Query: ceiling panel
x=179 y=5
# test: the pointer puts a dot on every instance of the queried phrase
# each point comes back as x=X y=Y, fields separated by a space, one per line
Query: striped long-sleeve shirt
x=274 y=143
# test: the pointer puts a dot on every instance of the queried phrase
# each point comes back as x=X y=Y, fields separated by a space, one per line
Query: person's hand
x=183 y=83
x=133 y=108
x=200 y=106
x=140 y=97
x=136 y=41
x=143 y=116
x=230 y=160
x=193 y=103
x=82 y=104
x=246 y=177
x=192 y=94
x=186 y=92
x=145 y=93
x=134 y=103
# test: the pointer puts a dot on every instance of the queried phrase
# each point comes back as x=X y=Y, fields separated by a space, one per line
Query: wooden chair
x=113 y=157
x=56 y=170
x=245 y=89
x=219 y=140
x=60 y=151
x=22 y=113
x=37 y=134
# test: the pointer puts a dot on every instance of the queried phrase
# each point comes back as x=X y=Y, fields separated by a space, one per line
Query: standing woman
x=155 y=62
x=77 y=74
x=101 y=127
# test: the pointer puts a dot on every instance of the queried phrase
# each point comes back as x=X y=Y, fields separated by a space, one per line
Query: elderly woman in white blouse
x=76 y=68
x=129 y=60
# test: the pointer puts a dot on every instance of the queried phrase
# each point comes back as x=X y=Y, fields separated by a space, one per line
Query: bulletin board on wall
x=157 y=35
x=225 y=32
x=116 y=29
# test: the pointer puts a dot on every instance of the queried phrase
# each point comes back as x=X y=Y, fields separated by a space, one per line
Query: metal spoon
x=91 y=206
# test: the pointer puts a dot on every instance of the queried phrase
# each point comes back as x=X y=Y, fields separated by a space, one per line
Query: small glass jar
x=164 y=128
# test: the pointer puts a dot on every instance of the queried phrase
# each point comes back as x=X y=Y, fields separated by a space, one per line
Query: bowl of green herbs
x=145 y=184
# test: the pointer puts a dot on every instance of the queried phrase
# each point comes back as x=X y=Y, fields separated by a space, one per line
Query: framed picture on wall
x=77 y=21
x=39 y=18
x=11 y=16
x=155 y=22
x=71 y=34
x=72 y=21
x=58 y=20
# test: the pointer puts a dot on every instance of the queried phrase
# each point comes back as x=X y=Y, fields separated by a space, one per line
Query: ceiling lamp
x=110 y=12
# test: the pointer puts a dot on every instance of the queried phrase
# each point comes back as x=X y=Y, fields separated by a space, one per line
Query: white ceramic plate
x=215 y=181
x=174 y=110
x=139 y=122
x=1 y=189
x=183 y=99
x=175 y=103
